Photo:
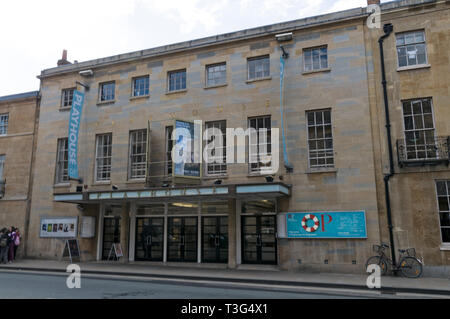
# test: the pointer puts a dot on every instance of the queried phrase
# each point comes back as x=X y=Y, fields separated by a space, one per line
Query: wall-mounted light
x=86 y=73
x=115 y=188
x=218 y=182
x=284 y=37
x=269 y=179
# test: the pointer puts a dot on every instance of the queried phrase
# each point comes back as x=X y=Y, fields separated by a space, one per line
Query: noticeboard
x=59 y=227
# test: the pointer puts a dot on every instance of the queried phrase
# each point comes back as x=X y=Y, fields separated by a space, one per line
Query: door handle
x=149 y=241
x=217 y=240
x=258 y=240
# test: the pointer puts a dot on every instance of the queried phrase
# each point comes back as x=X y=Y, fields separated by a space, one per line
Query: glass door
x=182 y=239
x=215 y=239
x=149 y=239
x=111 y=234
x=259 y=244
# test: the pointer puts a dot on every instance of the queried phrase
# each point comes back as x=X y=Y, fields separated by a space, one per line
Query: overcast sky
x=33 y=33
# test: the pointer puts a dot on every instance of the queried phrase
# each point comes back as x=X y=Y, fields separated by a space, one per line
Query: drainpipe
x=388 y=29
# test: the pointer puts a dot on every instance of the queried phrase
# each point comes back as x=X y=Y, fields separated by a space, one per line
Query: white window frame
x=146 y=87
x=67 y=98
x=259 y=169
x=312 y=50
x=4 y=122
x=317 y=139
x=109 y=93
x=62 y=165
x=414 y=44
x=264 y=67
x=222 y=167
x=106 y=168
x=216 y=69
x=447 y=184
x=133 y=145
x=180 y=71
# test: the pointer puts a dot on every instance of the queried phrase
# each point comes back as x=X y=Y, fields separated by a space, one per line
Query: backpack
x=3 y=241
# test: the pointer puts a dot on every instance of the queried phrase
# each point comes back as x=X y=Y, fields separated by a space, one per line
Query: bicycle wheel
x=411 y=267
x=376 y=260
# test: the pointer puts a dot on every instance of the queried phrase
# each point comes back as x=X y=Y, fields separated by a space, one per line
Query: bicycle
x=409 y=265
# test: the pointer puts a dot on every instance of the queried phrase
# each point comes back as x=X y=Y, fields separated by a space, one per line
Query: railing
x=412 y=153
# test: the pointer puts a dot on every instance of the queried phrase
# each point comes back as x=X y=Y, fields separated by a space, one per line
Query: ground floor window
x=443 y=196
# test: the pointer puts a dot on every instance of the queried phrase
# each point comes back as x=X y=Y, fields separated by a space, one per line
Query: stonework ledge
x=316 y=71
x=175 y=92
x=260 y=79
x=414 y=67
x=139 y=97
x=321 y=170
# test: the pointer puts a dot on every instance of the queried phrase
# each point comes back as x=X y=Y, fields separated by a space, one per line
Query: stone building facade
x=18 y=128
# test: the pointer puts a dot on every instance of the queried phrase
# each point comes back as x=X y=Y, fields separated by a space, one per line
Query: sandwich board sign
x=71 y=249
x=115 y=251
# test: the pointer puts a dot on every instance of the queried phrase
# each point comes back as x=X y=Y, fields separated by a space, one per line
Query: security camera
x=80 y=207
x=115 y=187
x=86 y=73
x=284 y=37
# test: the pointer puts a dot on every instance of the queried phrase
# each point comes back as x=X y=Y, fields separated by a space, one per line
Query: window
x=169 y=146
x=320 y=139
x=216 y=74
x=443 y=193
x=4 y=118
x=66 y=98
x=103 y=157
x=177 y=80
x=411 y=48
x=262 y=147
x=258 y=68
x=107 y=91
x=2 y=165
x=62 y=161
x=138 y=154
x=217 y=168
x=315 y=59
x=419 y=129
x=141 y=86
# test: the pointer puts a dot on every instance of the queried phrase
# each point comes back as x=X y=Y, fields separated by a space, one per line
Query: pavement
x=264 y=275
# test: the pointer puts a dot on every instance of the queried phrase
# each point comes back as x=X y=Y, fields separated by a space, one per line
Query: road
x=16 y=284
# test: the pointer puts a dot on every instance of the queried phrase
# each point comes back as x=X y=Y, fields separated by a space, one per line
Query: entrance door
x=149 y=239
x=182 y=239
x=111 y=234
x=215 y=239
x=259 y=243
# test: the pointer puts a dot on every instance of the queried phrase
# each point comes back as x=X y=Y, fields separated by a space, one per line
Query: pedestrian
x=16 y=242
x=4 y=248
x=11 y=237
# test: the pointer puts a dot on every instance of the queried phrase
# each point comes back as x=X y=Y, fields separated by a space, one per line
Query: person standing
x=16 y=242
x=12 y=237
x=4 y=248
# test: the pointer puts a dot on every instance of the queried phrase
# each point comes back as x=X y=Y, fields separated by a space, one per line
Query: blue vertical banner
x=286 y=161
x=74 y=127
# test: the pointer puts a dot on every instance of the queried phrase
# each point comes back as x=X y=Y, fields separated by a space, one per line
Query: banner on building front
x=326 y=225
x=74 y=126
x=64 y=227
x=186 y=154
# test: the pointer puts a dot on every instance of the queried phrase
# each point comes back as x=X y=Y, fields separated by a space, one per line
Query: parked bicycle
x=409 y=265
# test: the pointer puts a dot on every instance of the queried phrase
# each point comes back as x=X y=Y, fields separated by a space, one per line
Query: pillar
x=232 y=243
x=124 y=228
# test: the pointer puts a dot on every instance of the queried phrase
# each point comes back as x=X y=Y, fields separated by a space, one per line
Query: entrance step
x=258 y=267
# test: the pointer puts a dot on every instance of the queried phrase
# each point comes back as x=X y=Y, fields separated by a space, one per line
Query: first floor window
x=103 y=157
x=315 y=58
x=411 y=48
x=141 y=86
x=419 y=129
x=138 y=154
x=216 y=165
x=67 y=98
x=261 y=144
x=443 y=193
x=62 y=173
x=320 y=139
x=4 y=118
x=216 y=74
x=258 y=67
x=177 y=80
x=107 y=91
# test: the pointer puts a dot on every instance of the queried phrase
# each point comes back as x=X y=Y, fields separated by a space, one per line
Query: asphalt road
x=42 y=286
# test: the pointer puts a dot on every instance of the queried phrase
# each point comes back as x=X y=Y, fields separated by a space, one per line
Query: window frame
x=258 y=58
x=100 y=95
x=316 y=140
x=404 y=45
x=447 y=183
x=65 y=162
x=325 y=46
x=146 y=89
x=259 y=170
x=144 y=142
x=207 y=68
x=4 y=125
x=96 y=172
x=63 y=98
x=224 y=164
x=170 y=73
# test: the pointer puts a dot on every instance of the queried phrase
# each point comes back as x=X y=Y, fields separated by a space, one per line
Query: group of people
x=9 y=242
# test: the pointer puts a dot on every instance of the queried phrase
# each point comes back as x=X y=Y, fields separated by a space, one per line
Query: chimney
x=63 y=61
x=370 y=2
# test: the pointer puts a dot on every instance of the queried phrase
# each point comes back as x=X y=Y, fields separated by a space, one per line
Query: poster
x=326 y=225
x=59 y=227
x=74 y=126
x=184 y=149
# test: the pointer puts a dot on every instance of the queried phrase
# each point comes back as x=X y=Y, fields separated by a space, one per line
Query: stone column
x=232 y=233
x=124 y=231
